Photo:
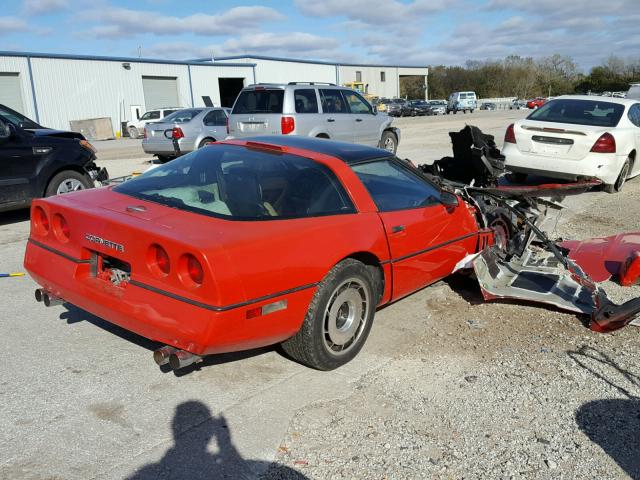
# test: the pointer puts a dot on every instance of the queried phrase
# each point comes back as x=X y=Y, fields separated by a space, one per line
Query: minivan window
x=332 y=101
x=259 y=101
x=463 y=95
x=579 y=112
x=306 y=100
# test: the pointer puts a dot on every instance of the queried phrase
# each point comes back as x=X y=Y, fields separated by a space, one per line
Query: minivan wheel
x=133 y=132
x=389 y=142
x=67 y=181
x=622 y=178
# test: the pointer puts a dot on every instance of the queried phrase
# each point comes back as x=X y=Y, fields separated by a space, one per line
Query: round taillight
x=190 y=271
x=40 y=221
x=61 y=228
x=158 y=260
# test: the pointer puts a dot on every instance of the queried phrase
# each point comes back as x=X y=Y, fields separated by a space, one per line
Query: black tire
x=471 y=111
x=621 y=180
x=317 y=342
x=206 y=141
x=67 y=181
x=389 y=142
x=455 y=112
x=163 y=158
x=133 y=132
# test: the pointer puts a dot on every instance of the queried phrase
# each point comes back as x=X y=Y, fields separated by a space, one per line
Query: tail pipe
x=45 y=297
x=176 y=359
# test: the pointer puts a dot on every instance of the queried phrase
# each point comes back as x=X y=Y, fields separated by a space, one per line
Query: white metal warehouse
x=56 y=89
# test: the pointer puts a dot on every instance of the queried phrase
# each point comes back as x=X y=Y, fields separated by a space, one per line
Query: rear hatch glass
x=259 y=101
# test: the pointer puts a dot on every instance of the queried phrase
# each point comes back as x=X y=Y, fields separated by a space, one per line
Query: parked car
x=419 y=108
x=462 y=102
x=136 y=127
x=634 y=91
x=311 y=109
x=36 y=161
x=191 y=128
x=397 y=107
x=577 y=136
x=273 y=239
x=536 y=102
x=518 y=105
x=438 y=107
x=488 y=106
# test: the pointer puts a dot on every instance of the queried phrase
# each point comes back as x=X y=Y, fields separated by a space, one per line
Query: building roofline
x=4 y=53
x=298 y=60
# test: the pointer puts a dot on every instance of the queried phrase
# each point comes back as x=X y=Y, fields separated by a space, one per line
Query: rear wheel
x=133 y=132
x=205 y=142
x=67 y=181
x=622 y=178
x=339 y=318
x=389 y=142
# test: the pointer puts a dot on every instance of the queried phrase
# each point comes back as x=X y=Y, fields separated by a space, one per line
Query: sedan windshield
x=240 y=183
x=579 y=112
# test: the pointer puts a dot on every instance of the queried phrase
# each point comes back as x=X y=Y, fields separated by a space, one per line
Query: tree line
x=524 y=77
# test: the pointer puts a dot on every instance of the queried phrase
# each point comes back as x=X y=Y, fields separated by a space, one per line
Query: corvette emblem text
x=106 y=243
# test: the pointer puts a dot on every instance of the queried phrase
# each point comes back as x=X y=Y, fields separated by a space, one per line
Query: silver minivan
x=311 y=109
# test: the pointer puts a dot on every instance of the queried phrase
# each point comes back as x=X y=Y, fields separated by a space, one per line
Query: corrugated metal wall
x=270 y=71
x=19 y=65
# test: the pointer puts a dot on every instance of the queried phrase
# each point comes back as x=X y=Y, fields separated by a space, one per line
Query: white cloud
x=122 y=22
x=44 y=7
x=12 y=24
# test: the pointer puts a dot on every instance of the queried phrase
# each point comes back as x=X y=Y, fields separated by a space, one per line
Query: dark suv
x=36 y=161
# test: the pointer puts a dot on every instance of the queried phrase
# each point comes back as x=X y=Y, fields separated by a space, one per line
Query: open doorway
x=413 y=87
x=229 y=90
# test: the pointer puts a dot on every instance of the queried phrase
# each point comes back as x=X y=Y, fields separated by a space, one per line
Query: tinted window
x=259 y=101
x=579 y=112
x=11 y=116
x=462 y=96
x=356 y=103
x=237 y=183
x=183 y=116
x=168 y=112
x=215 y=118
x=394 y=187
x=332 y=101
x=306 y=101
x=634 y=114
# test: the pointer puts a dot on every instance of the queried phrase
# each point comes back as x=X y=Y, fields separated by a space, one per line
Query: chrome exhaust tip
x=181 y=359
x=161 y=355
x=51 y=300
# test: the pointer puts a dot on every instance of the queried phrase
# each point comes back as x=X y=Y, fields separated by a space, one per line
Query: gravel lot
x=447 y=386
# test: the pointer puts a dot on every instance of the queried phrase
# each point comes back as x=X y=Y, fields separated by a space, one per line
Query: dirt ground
x=447 y=386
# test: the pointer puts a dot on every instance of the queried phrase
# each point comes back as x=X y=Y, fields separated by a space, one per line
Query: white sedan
x=577 y=136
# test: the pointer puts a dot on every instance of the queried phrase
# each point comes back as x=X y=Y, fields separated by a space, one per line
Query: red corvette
x=250 y=243
x=536 y=102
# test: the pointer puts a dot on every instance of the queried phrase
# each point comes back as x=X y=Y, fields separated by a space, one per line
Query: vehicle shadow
x=76 y=315
x=613 y=424
x=190 y=457
x=14 y=216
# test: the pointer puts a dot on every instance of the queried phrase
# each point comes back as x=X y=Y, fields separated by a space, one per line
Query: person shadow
x=190 y=456
x=614 y=423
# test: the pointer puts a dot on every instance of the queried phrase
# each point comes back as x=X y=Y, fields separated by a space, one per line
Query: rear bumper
x=603 y=166
x=163 y=147
x=164 y=317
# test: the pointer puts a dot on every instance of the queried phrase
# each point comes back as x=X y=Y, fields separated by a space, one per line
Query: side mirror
x=448 y=199
x=374 y=110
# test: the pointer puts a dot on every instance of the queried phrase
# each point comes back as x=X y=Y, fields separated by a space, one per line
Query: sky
x=418 y=32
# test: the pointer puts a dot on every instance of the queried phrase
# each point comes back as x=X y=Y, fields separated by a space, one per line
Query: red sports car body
x=536 y=102
x=239 y=244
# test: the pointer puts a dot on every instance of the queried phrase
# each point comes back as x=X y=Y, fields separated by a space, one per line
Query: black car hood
x=48 y=132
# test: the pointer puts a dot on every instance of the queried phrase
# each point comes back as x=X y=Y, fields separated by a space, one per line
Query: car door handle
x=331 y=120
x=397 y=229
x=358 y=119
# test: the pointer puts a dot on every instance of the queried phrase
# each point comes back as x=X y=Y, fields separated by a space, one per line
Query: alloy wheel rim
x=345 y=317
x=70 y=185
x=388 y=144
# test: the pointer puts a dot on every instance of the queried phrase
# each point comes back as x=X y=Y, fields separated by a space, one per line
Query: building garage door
x=10 y=91
x=160 y=92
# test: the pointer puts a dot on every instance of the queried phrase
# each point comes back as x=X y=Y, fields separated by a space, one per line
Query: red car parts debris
x=297 y=241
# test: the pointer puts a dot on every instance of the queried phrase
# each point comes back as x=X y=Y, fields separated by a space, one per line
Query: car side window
x=634 y=114
x=306 y=100
x=332 y=101
x=394 y=187
x=356 y=103
x=215 y=118
x=168 y=112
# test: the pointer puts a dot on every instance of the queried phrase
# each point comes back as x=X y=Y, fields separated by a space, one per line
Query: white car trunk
x=551 y=139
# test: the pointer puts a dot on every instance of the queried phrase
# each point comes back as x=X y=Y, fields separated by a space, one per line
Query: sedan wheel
x=622 y=178
x=339 y=318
